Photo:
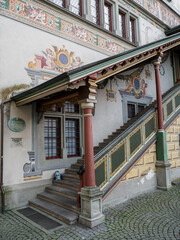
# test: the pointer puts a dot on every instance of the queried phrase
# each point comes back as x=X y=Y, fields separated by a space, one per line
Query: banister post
x=162 y=164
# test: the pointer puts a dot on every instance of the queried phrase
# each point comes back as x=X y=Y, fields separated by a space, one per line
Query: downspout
x=2 y=146
x=2 y=158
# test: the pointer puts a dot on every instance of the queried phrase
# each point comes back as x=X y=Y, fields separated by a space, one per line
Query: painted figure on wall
x=56 y=60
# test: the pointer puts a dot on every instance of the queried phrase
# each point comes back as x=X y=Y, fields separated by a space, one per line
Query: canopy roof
x=98 y=70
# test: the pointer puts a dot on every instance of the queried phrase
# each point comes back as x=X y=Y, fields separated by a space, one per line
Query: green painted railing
x=117 y=157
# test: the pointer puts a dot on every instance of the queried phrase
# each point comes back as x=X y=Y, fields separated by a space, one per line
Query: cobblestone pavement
x=151 y=216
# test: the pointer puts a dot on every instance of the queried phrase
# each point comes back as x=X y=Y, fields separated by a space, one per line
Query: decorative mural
x=159 y=10
x=55 y=59
x=38 y=15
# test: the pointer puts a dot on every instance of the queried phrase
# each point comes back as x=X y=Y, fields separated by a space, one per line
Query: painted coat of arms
x=52 y=62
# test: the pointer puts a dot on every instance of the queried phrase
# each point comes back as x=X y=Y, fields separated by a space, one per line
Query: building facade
x=57 y=56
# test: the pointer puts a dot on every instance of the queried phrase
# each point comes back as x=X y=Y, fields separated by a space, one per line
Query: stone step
x=76 y=166
x=60 y=213
x=62 y=192
x=61 y=201
x=67 y=184
x=71 y=171
x=70 y=177
x=80 y=161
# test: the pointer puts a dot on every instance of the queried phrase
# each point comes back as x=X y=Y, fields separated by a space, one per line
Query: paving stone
x=154 y=215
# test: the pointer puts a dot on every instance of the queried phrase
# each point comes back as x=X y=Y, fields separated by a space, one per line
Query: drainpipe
x=2 y=156
x=2 y=145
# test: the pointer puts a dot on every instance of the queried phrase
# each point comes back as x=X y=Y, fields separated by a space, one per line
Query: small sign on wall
x=16 y=124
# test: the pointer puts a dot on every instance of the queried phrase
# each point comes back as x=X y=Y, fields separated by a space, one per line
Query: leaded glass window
x=132 y=30
x=72 y=137
x=107 y=17
x=71 y=108
x=95 y=11
x=122 y=25
x=60 y=3
x=76 y=6
x=52 y=137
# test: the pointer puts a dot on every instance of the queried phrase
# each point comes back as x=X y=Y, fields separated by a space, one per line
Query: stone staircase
x=60 y=199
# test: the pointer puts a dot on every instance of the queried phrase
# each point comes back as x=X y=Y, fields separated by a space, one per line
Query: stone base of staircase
x=60 y=199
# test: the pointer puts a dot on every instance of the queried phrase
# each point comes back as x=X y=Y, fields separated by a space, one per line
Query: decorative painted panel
x=117 y=157
x=177 y=100
x=135 y=141
x=159 y=10
x=169 y=108
x=150 y=127
x=40 y=16
x=101 y=172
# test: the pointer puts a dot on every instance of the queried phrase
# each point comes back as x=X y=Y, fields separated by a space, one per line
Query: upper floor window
x=122 y=25
x=75 y=6
x=71 y=108
x=60 y=3
x=132 y=30
x=95 y=11
x=107 y=17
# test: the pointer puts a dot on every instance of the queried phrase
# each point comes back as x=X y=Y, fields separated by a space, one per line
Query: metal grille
x=107 y=16
x=122 y=28
x=76 y=6
x=169 y=108
x=95 y=11
x=135 y=141
x=72 y=137
x=100 y=174
x=60 y=3
x=177 y=100
x=52 y=143
x=118 y=157
x=149 y=127
x=71 y=108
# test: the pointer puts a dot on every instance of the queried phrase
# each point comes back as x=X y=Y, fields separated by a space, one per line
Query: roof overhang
x=98 y=70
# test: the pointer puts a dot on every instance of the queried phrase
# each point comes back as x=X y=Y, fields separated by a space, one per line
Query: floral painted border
x=38 y=15
x=160 y=11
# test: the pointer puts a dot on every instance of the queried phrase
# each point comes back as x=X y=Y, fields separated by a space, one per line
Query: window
x=95 y=11
x=134 y=108
x=75 y=6
x=122 y=25
x=60 y=3
x=132 y=30
x=72 y=137
x=107 y=17
x=71 y=108
x=58 y=138
x=52 y=140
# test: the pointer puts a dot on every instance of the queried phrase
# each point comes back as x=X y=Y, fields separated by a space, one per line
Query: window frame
x=133 y=30
x=122 y=13
x=97 y=13
x=80 y=8
x=63 y=115
x=109 y=5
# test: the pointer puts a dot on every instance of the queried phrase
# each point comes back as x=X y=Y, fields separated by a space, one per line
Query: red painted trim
x=110 y=17
x=133 y=29
x=124 y=23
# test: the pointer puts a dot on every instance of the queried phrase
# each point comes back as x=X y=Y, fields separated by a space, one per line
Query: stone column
x=91 y=196
x=162 y=164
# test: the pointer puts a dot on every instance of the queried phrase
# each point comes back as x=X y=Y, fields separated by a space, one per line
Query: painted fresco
x=160 y=11
x=38 y=15
x=50 y=63
x=55 y=59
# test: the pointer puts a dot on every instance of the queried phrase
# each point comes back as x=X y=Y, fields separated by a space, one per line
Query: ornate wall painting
x=160 y=11
x=38 y=15
x=54 y=60
x=148 y=74
x=135 y=85
x=111 y=95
